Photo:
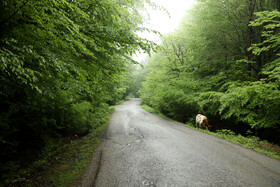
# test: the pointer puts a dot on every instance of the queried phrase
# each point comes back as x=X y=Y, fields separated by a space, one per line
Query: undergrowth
x=65 y=165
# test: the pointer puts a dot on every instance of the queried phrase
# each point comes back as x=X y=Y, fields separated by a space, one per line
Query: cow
x=201 y=121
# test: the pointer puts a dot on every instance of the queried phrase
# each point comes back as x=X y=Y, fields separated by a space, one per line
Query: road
x=141 y=149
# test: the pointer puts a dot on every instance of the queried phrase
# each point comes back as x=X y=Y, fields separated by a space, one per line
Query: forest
x=224 y=62
x=62 y=64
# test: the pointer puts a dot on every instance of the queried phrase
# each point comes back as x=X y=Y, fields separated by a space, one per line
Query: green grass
x=66 y=165
x=153 y=111
x=250 y=142
x=75 y=159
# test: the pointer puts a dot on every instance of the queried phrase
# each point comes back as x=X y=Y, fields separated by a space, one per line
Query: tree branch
x=15 y=12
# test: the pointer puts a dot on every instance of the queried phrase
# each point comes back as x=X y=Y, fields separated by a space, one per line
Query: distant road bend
x=141 y=149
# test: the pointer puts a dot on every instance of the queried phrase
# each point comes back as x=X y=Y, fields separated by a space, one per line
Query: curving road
x=141 y=149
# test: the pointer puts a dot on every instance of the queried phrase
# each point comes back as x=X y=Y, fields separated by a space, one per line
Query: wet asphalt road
x=141 y=149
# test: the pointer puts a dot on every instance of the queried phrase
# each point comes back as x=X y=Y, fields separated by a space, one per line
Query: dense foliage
x=223 y=61
x=135 y=78
x=62 y=63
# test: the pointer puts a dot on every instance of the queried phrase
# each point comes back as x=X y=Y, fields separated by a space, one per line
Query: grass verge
x=66 y=166
x=153 y=111
x=250 y=142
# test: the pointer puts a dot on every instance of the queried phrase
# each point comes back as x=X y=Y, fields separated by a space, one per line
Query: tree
x=61 y=63
x=222 y=61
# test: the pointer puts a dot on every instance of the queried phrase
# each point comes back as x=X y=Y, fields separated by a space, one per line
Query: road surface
x=141 y=149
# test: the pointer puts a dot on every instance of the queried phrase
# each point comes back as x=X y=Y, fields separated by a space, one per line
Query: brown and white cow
x=201 y=120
